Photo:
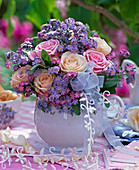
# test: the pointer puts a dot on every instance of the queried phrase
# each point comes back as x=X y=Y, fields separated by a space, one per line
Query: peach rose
x=20 y=75
x=43 y=81
x=72 y=62
x=102 y=46
x=50 y=46
x=101 y=64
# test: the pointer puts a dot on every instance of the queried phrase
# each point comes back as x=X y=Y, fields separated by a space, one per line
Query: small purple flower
x=15 y=67
x=8 y=54
x=111 y=70
x=77 y=94
x=129 y=79
x=119 y=85
x=60 y=48
x=22 y=83
x=120 y=71
x=124 y=53
x=37 y=60
x=26 y=44
x=62 y=101
x=74 y=102
x=50 y=70
x=72 y=95
x=7 y=64
x=30 y=77
x=54 y=69
x=70 y=21
x=20 y=88
x=26 y=82
x=28 y=88
x=37 y=72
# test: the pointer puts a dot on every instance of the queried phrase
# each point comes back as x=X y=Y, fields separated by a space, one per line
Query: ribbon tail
x=113 y=140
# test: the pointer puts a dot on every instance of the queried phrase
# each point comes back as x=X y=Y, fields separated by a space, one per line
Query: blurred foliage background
x=23 y=18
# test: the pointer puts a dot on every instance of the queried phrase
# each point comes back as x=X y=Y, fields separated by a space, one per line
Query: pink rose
x=32 y=55
x=50 y=46
x=101 y=64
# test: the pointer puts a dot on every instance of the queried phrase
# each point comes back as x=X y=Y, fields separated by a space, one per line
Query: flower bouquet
x=65 y=61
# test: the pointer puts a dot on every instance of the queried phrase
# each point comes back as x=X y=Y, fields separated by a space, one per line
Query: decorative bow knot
x=87 y=80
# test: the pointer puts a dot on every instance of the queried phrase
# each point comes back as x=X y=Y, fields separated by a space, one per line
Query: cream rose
x=72 y=62
x=43 y=81
x=133 y=118
x=20 y=75
x=102 y=46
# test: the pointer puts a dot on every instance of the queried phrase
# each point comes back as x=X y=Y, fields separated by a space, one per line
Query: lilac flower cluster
x=117 y=71
x=6 y=115
x=47 y=107
x=17 y=58
x=60 y=92
x=72 y=35
x=130 y=71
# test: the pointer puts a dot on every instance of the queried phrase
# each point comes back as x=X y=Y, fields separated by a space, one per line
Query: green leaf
x=76 y=109
x=46 y=58
x=34 y=68
x=112 y=82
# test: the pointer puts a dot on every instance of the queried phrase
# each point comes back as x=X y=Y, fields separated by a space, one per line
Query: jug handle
x=120 y=101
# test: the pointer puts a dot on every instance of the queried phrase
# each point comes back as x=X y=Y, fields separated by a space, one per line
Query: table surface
x=24 y=125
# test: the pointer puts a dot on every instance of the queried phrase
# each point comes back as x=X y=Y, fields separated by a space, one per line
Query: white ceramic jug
x=134 y=89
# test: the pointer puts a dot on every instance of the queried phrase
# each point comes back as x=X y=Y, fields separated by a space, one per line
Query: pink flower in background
x=21 y=30
x=3 y=26
x=124 y=90
x=4 y=41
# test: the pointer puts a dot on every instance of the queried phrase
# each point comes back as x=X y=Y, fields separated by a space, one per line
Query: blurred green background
x=23 y=18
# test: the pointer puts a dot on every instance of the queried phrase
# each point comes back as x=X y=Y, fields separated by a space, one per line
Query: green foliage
x=80 y=14
x=76 y=108
x=21 y=9
x=39 y=12
x=45 y=57
x=111 y=85
x=134 y=53
x=10 y=12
